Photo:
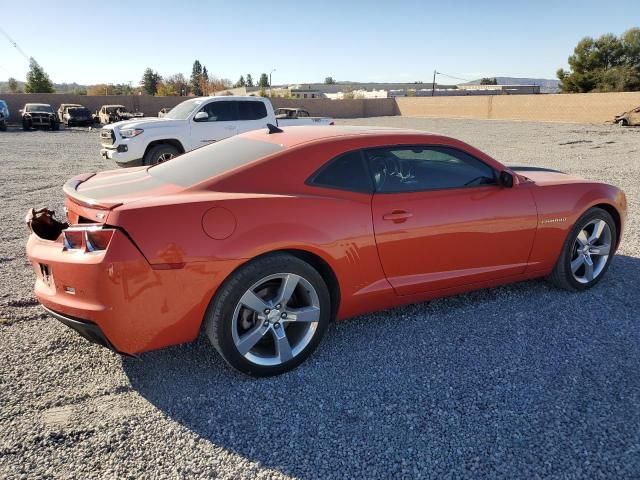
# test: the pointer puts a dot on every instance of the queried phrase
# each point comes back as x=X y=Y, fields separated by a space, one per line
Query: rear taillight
x=92 y=238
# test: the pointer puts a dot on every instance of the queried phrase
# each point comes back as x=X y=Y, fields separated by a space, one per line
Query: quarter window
x=346 y=172
x=418 y=168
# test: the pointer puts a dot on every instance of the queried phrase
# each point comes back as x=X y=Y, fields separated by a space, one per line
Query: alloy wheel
x=590 y=251
x=163 y=157
x=275 y=319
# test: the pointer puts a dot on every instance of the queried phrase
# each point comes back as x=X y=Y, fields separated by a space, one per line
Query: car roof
x=37 y=104
x=298 y=135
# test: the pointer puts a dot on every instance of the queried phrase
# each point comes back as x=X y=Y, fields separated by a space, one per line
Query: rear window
x=212 y=160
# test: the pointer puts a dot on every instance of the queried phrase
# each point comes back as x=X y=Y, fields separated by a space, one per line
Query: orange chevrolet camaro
x=262 y=239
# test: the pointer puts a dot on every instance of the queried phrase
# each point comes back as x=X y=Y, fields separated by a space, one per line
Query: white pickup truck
x=189 y=125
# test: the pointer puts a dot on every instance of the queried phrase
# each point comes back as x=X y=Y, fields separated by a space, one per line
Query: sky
x=367 y=41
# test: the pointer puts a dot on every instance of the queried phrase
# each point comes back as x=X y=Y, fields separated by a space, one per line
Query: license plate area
x=46 y=273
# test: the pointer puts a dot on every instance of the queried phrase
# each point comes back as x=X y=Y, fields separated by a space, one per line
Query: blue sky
x=95 y=42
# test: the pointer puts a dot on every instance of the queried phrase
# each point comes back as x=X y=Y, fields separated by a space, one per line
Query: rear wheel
x=269 y=316
x=587 y=252
x=160 y=153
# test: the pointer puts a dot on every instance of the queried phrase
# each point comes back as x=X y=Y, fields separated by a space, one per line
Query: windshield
x=78 y=111
x=183 y=110
x=38 y=107
x=212 y=160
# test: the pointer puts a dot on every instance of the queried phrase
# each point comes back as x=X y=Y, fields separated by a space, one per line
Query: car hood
x=145 y=123
x=546 y=176
x=112 y=188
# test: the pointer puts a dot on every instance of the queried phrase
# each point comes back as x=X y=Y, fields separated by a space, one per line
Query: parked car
x=284 y=115
x=39 y=115
x=80 y=116
x=63 y=107
x=630 y=118
x=4 y=109
x=187 y=126
x=164 y=111
x=116 y=113
x=262 y=239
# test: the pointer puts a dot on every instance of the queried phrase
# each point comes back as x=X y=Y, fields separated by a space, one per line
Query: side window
x=410 y=169
x=346 y=172
x=220 y=111
x=303 y=113
x=248 y=110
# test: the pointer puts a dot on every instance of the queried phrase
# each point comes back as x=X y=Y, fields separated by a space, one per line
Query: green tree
x=37 y=79
x=249 y=80
x=196 y=78
x=488 y=81
x=150 y=81
x=240 y=82
x=329 y=81
x=13 y=85
x=605 y=64
x=264 y=80
x=177 y=83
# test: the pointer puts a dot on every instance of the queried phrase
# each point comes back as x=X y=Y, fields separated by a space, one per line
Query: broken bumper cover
x=85 y=329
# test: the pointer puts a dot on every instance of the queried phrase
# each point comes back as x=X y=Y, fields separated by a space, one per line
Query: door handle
x=397 y=216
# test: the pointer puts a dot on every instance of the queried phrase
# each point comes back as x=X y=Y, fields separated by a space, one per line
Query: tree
x=605 y=64
x=329 y=81
x=177 y=83
x=150 y=81
x=264 y=80
x=488 y=81
x=166 y=89
x=249 y=80
x=196 y=77
x=37 y=79
x=13 y=85
x=240 y=82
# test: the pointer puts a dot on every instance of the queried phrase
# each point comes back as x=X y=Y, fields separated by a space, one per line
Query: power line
x=451 y=76
x=15 y=45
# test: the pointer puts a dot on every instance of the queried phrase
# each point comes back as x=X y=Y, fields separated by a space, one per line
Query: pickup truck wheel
x=26 y=126
x=160 y=153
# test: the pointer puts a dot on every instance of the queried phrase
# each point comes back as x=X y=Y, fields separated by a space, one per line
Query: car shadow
x=490 y=382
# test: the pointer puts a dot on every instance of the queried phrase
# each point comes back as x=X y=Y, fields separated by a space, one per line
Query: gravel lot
x=523 y=381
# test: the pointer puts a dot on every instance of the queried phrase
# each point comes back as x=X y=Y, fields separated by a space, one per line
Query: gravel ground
x=523 y=381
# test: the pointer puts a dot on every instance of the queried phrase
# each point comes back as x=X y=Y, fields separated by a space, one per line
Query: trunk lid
x=90 y=197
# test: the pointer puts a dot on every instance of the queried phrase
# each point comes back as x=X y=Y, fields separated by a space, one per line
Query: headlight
x=131 y=132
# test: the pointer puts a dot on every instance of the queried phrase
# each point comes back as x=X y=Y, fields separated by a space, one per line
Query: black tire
x=156 y=153
x=26 y=126
x=56 y=126
x=219 y=317
x=3 y=127
x=562 y=276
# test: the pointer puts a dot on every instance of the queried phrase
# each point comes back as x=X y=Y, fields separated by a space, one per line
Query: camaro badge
x=554 y=220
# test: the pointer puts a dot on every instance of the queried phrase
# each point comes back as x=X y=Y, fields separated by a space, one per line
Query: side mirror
x=506 y=179
x=201 y=117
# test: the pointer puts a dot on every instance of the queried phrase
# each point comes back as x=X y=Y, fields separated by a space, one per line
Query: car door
x=221 y=122
x=442 y=220
x=252 y=115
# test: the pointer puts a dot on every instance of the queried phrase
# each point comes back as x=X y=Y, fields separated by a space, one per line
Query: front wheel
x=269 y=316
x=159 y=154
x=587 y=252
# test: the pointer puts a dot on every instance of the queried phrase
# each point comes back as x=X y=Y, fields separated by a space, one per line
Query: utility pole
x=433 y=85
x=270 y=81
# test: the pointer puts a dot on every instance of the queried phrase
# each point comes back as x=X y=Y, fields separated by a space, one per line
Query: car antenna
x=273 y=129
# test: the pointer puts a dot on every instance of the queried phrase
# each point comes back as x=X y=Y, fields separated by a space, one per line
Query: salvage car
x=39 y=115
x=4 y=110
x=191 y=124
x=164 y=111
x=630 y=118
x=116 y=113
x=63 y=107
x=77 y=116
x=361 y=220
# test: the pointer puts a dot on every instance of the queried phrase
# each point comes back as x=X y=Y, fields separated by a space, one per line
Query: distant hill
x=59 y=87
x=546 y=85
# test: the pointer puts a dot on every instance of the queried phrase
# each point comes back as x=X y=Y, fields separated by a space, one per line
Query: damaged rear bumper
x=86 y=329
